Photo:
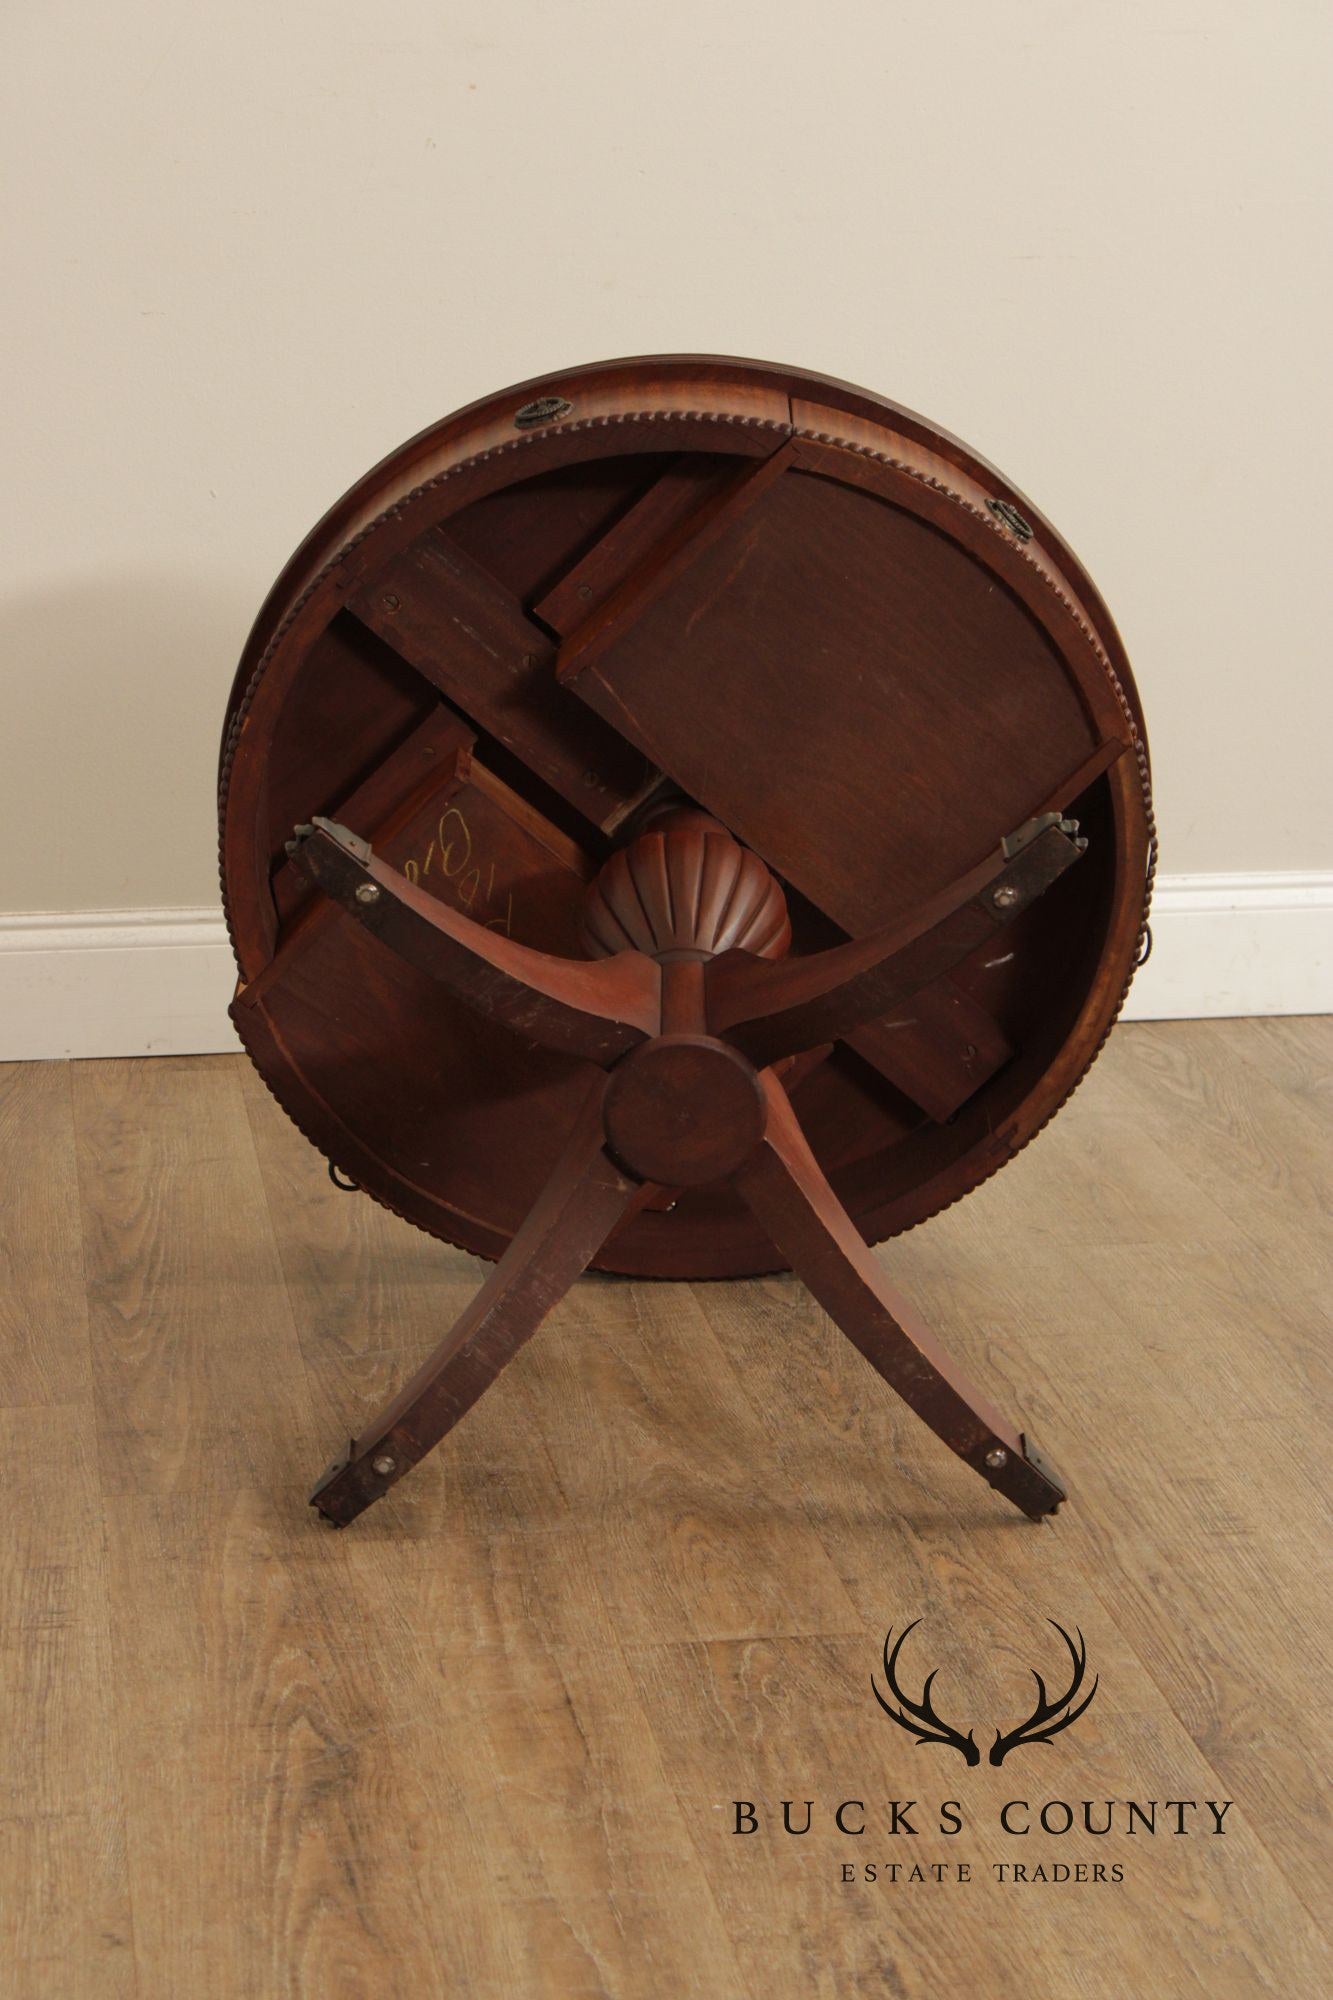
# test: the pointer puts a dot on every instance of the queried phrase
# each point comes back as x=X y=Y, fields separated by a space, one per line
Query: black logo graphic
x=1047 y=1719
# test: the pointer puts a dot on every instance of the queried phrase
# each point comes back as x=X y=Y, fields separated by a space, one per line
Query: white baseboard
x=115 y=983
x=1238 y=944
x=157 y=982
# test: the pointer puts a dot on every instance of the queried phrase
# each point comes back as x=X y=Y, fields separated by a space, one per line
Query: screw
x=384 y=1465
x=369 y=892
x=389 y=601
x=995 y=1458
x=1006 y=895
x=585 y=590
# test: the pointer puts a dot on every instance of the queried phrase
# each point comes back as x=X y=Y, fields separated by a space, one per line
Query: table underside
x=868 y=682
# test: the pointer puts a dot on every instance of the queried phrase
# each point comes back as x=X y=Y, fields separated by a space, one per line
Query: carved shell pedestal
x=684 y=888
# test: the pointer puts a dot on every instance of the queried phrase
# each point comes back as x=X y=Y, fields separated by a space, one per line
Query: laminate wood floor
x=487 y=1741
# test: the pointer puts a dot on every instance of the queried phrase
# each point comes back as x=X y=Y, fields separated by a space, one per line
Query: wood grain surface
x=486 y=1741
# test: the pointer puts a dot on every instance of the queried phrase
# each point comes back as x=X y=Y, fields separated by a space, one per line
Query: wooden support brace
x=468 y=636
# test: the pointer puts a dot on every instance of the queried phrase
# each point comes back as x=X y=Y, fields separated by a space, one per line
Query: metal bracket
x=1023 y=836
x=1009 y=517
x=546 y=410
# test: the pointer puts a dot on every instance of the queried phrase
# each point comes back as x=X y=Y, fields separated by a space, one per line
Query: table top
x=821 y=619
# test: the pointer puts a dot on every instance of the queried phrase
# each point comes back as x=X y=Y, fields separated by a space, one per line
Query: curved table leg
x=597 y=1011
x=567 y=1225
x=787 y=1192
x=772 y=1010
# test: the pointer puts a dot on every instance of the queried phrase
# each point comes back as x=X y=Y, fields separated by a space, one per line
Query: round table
x=620 y=634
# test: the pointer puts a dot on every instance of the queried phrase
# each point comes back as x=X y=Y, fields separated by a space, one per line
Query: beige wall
x=250 y=247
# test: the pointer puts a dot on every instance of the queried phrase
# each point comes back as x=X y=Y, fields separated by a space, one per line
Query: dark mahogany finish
x=687 y=789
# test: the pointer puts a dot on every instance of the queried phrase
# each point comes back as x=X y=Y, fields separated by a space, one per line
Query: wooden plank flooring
x=485 y=1742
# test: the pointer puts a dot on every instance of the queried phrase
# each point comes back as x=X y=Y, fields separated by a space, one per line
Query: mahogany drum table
x=688 y=818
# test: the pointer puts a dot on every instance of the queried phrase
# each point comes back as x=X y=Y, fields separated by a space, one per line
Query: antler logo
x=1047 y=1719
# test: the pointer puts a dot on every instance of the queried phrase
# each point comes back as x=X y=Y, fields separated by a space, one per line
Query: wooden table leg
x=567 y=1225
x=775 y=1010
x=786 y=1189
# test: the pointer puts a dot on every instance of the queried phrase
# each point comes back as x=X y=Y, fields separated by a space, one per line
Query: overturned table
x=687 y=818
